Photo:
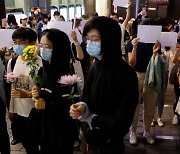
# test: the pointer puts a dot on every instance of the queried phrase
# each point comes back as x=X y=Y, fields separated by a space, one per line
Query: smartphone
x=144 y=8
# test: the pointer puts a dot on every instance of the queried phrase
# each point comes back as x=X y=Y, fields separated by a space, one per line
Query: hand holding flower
x=76 y=110
x=20 y=93
x=39 y=103
x=35 y=92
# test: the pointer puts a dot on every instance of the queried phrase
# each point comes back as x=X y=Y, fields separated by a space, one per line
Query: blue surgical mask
x=93 y=48
x=19 y=49
x=46 y=53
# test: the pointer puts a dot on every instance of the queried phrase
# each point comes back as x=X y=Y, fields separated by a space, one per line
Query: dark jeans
x=117 y=148
x=4 y=137
x=160 y=104
x=52 y=149
x=48 y=148
x=18 y=127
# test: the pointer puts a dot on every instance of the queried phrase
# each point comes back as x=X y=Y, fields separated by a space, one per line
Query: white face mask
x=57 y=18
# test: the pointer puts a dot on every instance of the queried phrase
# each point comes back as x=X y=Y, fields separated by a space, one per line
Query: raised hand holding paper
x=6 y=37
x=168 y=39
x=149 y=34
x=122 y=3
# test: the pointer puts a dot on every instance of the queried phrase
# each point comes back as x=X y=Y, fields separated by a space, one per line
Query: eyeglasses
x=44 y=46
x=94 y=38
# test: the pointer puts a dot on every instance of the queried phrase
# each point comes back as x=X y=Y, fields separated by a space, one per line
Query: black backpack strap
x=13 y=62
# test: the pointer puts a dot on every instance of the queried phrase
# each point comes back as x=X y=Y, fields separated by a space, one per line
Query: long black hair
x=60 y=61
x=110 y=33
x=11 y=20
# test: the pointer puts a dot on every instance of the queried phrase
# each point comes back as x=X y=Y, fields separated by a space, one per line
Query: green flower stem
x=72 y=100
x=71 y=94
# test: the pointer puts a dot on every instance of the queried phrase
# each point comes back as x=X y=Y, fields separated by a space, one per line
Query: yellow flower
x=26 y=57
x=29 y=51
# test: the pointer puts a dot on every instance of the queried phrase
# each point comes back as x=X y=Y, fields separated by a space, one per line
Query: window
x=63 y=12
x=71 y=12
x=53 y=9
x=78 y=11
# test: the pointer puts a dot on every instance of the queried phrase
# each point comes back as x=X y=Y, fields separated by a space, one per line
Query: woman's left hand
x=20 y=93
x=35 y=92
x=156 y=47
x=39 y=103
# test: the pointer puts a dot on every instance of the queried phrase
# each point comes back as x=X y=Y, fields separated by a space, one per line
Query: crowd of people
x=118 y=72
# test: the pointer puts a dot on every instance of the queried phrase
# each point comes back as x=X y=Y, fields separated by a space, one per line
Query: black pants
x=36 y=142
x=4 y=137
x=48 y=148
x=117 y=148
x=177 y=94
x=18 y=127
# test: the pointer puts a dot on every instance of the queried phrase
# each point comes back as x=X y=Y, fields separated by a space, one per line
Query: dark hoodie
x=53 y=128
x=111 y=89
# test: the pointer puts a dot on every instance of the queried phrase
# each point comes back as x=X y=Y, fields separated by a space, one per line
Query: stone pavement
x=167 y=137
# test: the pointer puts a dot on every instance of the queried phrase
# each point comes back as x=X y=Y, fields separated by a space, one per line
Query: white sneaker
x=160 y=122
x=175 y=120
x=149 y=138
x=76 y=144
x=153 y=123
x=133 y=138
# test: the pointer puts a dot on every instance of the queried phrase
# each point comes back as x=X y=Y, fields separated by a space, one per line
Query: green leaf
x=66 y=95
x=76 y=95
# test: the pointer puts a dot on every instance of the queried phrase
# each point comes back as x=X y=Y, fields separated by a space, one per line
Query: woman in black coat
x=110 y=94
x=51 y=126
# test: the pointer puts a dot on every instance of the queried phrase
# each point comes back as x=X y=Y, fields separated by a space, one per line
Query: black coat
x=111 y=92
x=52 y=126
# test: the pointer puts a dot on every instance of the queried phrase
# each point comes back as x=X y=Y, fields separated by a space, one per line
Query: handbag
x=78 y=71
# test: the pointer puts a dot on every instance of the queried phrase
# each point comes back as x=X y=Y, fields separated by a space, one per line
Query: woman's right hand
x=177 y=47
x=74 y=36
x=35 y=92
x=76 y=110
x=20 y=93
x=135 y=42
